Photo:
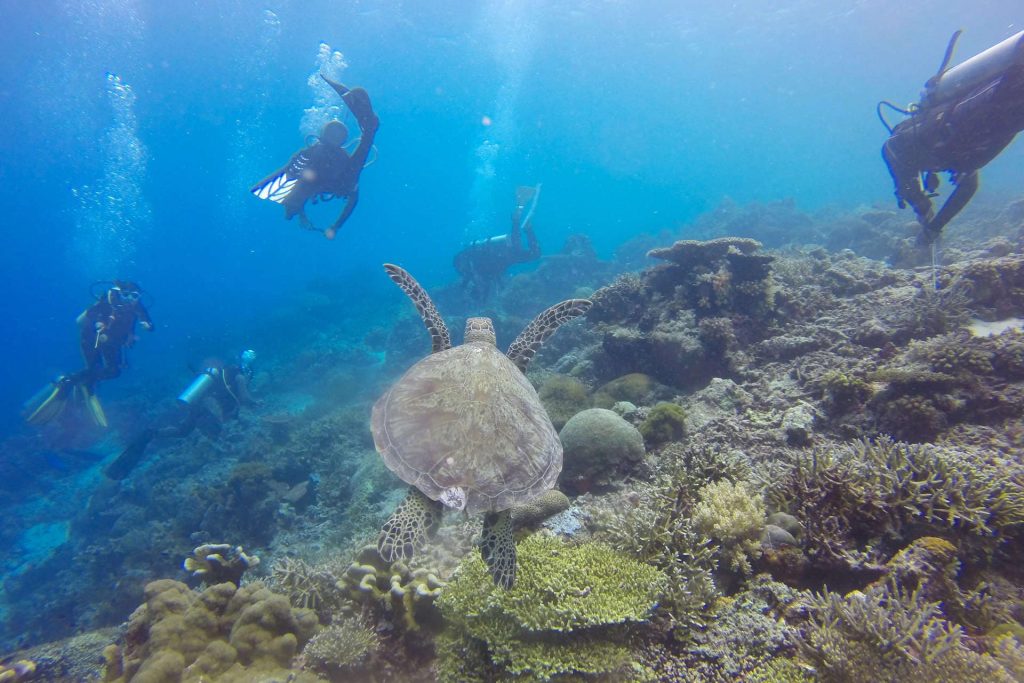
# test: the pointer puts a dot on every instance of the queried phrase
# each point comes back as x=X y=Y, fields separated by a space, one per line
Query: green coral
x=568 y=612
x=563 y=396
x=665 y=422
x=729 y=513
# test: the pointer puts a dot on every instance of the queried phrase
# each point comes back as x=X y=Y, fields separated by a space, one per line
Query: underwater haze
x=132 y=133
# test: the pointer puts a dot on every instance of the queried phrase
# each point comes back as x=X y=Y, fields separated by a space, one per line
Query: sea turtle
x=465 y=428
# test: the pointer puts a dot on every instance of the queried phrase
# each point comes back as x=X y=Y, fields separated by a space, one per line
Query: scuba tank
x=497 y=239
x=200 y=385
x=948 y=84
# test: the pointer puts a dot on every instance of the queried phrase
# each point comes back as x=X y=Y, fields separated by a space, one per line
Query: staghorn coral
x=729 y=513
x=308 y=586
x=847 y=498
x=224 y=633
x=340 y=649
x=665 y=422
x=567 y=614
x=887 y=633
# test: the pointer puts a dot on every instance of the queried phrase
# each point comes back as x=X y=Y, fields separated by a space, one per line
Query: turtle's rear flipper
x=498 y=547
x=414 y=520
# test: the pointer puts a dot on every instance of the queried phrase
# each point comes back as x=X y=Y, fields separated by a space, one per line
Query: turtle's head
x=480 y=330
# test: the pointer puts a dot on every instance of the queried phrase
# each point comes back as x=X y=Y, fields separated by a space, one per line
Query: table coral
x=568 y=613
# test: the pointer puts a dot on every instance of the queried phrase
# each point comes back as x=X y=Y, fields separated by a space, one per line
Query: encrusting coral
x=569 y=613
x=224 y=633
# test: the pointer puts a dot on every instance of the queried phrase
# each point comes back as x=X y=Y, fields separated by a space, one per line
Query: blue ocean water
x=130 y=133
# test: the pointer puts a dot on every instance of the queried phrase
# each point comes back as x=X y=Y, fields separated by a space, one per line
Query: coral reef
x=569 y=613
x=15 y=672
x=225 y=632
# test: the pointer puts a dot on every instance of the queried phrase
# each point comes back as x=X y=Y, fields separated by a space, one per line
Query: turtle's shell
x=468 y=418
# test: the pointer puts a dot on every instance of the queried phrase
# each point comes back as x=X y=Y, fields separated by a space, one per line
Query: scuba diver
x=106 y=330
x=482 y=263
x=967 y=115
x=324 y=170
x=214 y=397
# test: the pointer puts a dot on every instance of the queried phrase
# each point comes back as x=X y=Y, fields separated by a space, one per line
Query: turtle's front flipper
x=529 y=341
x=414 y=520
x=498 y=548
x=439 y=337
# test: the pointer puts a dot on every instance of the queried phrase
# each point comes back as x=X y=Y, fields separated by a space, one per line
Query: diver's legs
x=966 y=186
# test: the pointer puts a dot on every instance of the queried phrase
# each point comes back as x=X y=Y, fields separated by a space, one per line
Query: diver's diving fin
x=49 y=402
x=122 y=466
x=526 y=201
x=275 y=188
x=356 y=99
x=93 y=405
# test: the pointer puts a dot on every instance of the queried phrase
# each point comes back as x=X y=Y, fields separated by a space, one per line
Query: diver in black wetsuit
x=966 y=117
x=483 y=263
x=324 y=170
x=225 y=388
x=106 y=329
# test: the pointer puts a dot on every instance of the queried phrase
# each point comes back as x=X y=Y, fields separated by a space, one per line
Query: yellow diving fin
x=50 y=405
x=95 y=407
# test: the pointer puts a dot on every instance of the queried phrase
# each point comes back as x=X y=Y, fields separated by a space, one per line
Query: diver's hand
x=147 y=326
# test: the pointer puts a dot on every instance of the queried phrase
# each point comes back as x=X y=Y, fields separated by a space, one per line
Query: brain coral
x=597 y=444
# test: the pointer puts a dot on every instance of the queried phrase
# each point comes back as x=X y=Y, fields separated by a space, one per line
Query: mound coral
x=225 y=632
x=563 y=396
x=215 y=563
x=636 y=387
x=598 y=444
x=567 y=614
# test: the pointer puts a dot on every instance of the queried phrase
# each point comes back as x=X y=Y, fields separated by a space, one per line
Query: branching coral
x=340 y=648
x=889 y=634
x=567 y=614
x=733 y=516
x=656 y=526
x=308 y=586
x=846 y=498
